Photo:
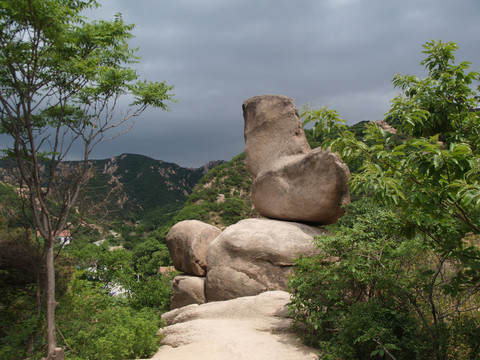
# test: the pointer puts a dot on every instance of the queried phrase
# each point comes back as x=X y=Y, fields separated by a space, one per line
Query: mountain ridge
x=135 y=183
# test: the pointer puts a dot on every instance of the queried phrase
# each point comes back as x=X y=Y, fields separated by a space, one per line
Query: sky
x=218 y=53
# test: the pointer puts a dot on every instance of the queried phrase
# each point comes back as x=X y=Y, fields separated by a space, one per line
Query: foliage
x=61 y=78
x=371 y=290
x=19 y=321
x=20 y=269
x=153 y=292
x=420 y=259
x=113 y=302
x=112 y=297
x=149 y=255
x=222 y=197
x=96 y=325
x=431 y=177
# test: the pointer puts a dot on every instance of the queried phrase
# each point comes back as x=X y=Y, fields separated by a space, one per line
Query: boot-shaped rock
x=291 y=181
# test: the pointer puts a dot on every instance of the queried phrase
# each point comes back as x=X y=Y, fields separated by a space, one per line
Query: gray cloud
x=217 y=53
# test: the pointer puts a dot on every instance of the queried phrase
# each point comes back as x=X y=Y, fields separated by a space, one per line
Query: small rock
x=187 y=290
x=188 y=242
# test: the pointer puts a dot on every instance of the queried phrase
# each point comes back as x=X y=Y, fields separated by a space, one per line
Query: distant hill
x=222 y=197
x=137 y=184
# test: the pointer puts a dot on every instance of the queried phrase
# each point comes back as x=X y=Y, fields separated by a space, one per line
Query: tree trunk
x=51 y=303
x=38 y=295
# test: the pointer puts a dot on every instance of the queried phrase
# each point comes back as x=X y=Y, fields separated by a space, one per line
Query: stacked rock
x=295 y=188
x=291 y=181
x=188 y=242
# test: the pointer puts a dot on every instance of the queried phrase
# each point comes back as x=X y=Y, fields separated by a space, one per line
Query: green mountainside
x=143 y=183
x=222 y=197
x=135 y=185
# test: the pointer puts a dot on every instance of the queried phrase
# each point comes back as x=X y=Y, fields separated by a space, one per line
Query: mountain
x=135 y=184
x=146 y=183
x=222 y=197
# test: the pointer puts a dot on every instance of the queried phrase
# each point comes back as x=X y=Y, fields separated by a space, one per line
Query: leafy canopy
x=399 y=278
x=428 y=164
x=61 y=79
x=59 y=71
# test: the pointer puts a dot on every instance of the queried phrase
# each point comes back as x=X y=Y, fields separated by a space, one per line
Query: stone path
x=247 y=328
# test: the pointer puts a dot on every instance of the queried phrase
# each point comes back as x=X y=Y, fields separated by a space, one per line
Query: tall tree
x=61 y=79
x=422 y=163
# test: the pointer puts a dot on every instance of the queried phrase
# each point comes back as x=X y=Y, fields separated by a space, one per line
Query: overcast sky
x=218 y=53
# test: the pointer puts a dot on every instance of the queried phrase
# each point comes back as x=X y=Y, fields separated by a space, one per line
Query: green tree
x=97 y=325
x=428 y=166
x=423 y=162
x=149 y=255
x=61 y=78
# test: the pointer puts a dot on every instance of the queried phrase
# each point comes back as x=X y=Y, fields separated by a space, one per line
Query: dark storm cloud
x=217 y=53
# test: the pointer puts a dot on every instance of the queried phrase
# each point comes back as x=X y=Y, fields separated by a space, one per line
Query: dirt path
x=248 y=328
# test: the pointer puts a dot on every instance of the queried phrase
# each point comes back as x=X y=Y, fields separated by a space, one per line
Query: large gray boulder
x=255 y=255
x=187 y=290
x=291 y=181
x=188 y=242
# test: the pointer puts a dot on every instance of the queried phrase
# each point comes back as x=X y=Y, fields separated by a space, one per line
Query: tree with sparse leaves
x=61 y=79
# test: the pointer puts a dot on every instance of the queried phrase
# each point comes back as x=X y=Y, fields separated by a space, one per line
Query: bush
x=153 y=292
x=374 y=293
x=96 y=325
x=149 y=255
x=232 y=210
x=118 y=333
x=415 y=252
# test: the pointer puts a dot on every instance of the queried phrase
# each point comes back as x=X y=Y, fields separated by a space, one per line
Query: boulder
x=188 y=242
x=187 y=290
x=291 y=181
x=272 y=130
x=255 y=255
x=308 y=188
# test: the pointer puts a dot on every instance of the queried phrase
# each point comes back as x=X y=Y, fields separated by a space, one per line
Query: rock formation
x=187 y=290
x=238 y=273
x=291 y=181
x=255 y=255
x=248 y=328
x=188 y=242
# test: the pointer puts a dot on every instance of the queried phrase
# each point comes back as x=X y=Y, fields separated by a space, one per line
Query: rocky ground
x=247 y=328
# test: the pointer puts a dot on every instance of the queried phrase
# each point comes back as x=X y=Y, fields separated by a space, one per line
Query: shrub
x=416 y=251
x=374 y=293
x=96 y=325
x=118 y=333
x=153 y=292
